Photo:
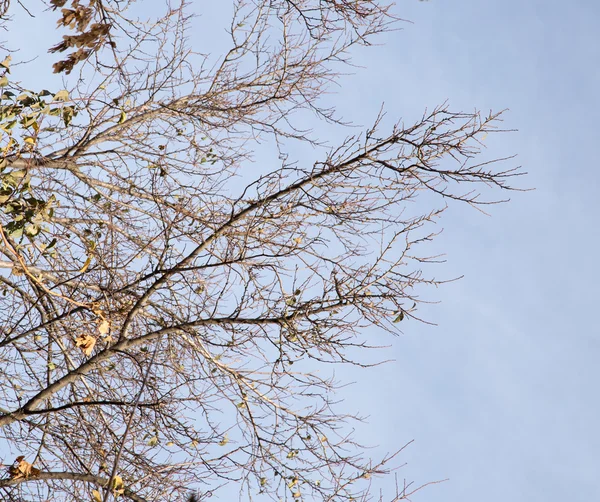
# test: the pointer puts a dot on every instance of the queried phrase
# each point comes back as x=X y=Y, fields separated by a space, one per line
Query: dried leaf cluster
x=21 y=469
x=90 y=38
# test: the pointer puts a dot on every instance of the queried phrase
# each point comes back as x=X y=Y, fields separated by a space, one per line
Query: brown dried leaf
x=104 y=327
x=86 y=342
x=22 y=469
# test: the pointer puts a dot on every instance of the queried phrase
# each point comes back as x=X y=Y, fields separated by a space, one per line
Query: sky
x=500 y=396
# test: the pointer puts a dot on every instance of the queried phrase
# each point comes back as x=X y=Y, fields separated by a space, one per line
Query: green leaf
x=8 y=126
x=51 y=244
x=68 y=113
x=32 y=230
x=400 y=317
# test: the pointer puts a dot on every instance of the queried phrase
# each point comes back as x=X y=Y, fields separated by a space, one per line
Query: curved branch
x=73 y=476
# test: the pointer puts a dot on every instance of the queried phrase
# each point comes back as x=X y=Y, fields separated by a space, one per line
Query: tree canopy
x=169 y=307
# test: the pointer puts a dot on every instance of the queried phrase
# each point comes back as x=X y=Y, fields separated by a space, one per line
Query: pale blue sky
x=501 y=396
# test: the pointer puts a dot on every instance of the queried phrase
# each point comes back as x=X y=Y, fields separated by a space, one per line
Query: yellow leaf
x=122 y=117
x=29 y=139
x=86 y=342
x=6 y=63
x=292 y=482
x=118 y=487
x=170 y=443
x=297 y=495
x=263 y=481
x=224 y=441
x=96 y=497
x=104 y=327
x=86 y=264
x=298 y=240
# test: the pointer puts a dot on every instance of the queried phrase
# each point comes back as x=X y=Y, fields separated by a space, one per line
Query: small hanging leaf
x=104 y=327
x=153 y=441
x=51 y=244
x=9 y=125
x=86 y=264
x=122 y=117
x=399 y=317
x=224 y=441
x=118 y=488
x=61 y=96
x=86 y=342
x=263 y=481
x=3 y=81
x=6 y=63
x=15 y=233
x=96 y=497
x=68 y=113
